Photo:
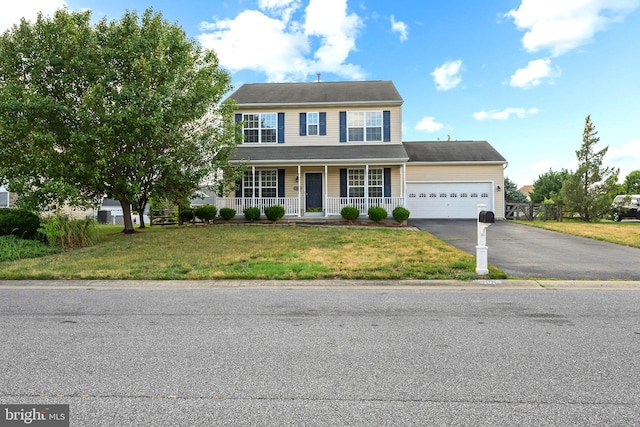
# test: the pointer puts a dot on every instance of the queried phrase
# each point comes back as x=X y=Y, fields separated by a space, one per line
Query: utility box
x=486 y=217
x=104 y=217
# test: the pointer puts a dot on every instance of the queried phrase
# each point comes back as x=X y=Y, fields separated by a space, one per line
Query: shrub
x=206 y=213
x=376 y=213
x=274 y=212
x=186 y=215
x=400 y=214
x=251 y=214
x=19 y=222
x=350 y=213
x=67 y=233
x=227 y=213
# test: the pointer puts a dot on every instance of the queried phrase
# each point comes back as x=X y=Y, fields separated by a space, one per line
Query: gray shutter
x=323 y=123
x=386 y=126
x=343 y=126
x=280 y=182
x=387 y=182
x=280 y=128
x=239 y=188
x=303 y=124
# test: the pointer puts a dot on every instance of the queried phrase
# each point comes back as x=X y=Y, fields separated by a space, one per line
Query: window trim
x=256 y=188
x=366 y=182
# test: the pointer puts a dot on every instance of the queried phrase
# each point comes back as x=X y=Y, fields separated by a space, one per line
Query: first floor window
x=356 y=182
x=263 y=184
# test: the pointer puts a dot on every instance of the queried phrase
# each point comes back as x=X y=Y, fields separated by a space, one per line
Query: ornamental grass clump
x=350 y=213
x=376 y=213
x=274 y=213
x=66 y=233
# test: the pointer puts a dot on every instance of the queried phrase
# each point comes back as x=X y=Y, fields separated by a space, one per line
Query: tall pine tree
x=587 y=190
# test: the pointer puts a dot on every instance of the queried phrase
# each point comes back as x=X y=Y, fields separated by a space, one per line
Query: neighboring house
x=205 y=195
x=317 y=147
x=526 y=190
x=5 y=198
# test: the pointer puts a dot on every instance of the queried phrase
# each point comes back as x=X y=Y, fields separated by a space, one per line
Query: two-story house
x=317 y=147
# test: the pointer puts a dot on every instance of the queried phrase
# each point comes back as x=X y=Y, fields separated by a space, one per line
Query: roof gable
x=378 y=92
x=452 y=152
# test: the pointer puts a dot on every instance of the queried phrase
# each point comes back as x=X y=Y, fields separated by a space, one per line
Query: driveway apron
x=529 y=252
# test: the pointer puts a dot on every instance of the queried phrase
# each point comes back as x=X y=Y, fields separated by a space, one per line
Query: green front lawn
x=254 y=252
x=622 y=233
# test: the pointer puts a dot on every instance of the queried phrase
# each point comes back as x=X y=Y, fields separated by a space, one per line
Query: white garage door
x=448 y=199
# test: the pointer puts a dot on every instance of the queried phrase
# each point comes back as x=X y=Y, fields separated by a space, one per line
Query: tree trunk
x=141 y=213
x=128 y=221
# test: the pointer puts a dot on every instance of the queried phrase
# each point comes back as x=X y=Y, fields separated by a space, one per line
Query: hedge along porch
x=320 y=180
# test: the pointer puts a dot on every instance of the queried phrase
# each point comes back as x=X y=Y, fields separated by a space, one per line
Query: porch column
x=299 y=193
x=403 y=183
x=253 y=184
x=326 y=190
x=366 y=187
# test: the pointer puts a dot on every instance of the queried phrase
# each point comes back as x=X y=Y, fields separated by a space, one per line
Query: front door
x=313 y=192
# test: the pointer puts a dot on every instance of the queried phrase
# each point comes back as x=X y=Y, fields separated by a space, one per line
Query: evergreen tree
x=587 y=190
x=511 y=192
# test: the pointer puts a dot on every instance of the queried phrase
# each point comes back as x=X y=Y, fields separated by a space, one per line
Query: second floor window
x=312 y=124
x=364 y=125
x=260 y=128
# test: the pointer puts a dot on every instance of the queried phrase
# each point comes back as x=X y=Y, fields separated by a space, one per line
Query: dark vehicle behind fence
x=625 y=206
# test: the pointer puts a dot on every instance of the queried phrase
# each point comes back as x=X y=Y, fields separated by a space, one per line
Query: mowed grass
x=622 y=233
x=254 y=252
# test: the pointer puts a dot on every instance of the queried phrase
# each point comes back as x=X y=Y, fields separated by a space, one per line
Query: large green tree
x=548 y=186
x=587 y=191
x=126 y=108
x=631 y=183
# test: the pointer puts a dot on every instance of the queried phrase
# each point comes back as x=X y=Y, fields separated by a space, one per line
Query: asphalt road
x=324 y=357
x=529 y=252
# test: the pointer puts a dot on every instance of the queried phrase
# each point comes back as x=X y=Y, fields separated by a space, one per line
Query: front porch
x=295 y=206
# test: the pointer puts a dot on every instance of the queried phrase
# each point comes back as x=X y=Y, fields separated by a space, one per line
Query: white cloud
x=629 y=151
x=533 y=74
x=429 y=124
x=560 y=26
x=283 y=50
x=447 y=75
x=505 y=114
x=400 y=28
x=12 y=12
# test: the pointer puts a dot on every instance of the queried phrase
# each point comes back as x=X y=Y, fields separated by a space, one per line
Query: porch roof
x=333 y=154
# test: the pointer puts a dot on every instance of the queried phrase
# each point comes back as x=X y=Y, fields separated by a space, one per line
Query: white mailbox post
x=484 y=220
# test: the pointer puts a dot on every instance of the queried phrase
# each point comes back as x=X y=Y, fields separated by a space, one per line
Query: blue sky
x=521 y=74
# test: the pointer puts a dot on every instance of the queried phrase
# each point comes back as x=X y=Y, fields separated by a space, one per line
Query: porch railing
x=239 y=204
x=335 y=204
x=291 y=206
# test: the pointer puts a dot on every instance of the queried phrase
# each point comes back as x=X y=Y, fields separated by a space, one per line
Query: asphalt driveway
x=529 y=252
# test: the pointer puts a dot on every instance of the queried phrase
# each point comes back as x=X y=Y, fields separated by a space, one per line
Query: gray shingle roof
x=282 y=153
x=452 y=152
x=378 y=92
